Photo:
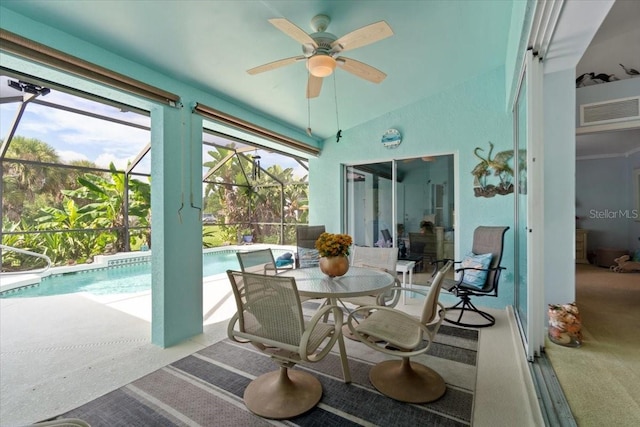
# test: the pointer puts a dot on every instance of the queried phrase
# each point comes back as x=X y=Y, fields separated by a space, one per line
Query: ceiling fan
x=322 y=50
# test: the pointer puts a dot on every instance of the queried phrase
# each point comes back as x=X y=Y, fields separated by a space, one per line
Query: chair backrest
x=425 y=244
x=256 y=261
x=430 y=307
x=381 y=258
x=490 y=239
x=386 y=235
x=306 y=236
x=268 y=307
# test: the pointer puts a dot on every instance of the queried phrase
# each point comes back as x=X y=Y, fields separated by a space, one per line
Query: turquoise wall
x=521 y=16
x=454 y=121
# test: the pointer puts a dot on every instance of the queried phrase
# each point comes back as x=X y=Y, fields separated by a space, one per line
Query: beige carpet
x=601 y=379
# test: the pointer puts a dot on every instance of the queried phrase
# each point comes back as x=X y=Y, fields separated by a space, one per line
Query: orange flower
x=333 y=244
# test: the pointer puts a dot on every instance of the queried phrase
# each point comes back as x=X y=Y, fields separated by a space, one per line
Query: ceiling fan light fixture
x=321 y=65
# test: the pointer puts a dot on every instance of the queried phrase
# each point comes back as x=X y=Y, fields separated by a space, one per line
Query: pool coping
x=14 y=281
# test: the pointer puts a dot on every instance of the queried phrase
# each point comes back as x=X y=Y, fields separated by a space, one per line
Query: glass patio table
x=358 y=281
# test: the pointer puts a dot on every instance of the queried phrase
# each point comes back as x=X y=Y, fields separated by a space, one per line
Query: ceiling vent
x=617 y=110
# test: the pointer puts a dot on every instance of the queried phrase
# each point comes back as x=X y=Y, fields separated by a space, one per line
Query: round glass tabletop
x=358 y=281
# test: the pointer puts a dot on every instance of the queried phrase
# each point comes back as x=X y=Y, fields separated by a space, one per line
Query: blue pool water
x=116 y=280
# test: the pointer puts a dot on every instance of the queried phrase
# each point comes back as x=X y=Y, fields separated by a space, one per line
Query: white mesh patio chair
x=270 y=317
x=396 y=333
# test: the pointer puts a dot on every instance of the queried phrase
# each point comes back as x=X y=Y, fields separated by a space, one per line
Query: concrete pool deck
x=59 y=352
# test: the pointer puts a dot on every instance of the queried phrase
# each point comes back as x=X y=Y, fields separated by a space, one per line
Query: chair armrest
x=443 y=261
x=311 y=325
x=395 y=296
x=232 y=333
x=462 y=270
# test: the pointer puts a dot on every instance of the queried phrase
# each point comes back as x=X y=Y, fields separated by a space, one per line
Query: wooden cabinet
x=581 y=246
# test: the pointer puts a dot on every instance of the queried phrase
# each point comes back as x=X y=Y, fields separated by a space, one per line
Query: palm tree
x=29 y=186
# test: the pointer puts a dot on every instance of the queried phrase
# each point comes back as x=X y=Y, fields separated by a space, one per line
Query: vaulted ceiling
x=436 y=45
x=210 y=45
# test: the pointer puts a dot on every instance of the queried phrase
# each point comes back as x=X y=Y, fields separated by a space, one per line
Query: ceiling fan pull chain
x=335 y=98
x=308 y=112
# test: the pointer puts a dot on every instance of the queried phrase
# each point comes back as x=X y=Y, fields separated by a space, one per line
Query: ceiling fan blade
x=275 y=64
x=313 y=86
x=361 y=69
x=363 y=36
x=293 y=31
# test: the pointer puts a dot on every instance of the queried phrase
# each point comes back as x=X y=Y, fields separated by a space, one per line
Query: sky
x=79 y=137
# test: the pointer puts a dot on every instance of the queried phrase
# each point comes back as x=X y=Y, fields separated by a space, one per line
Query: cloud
x=105 y=159
x=72 y=132
x=68 y=156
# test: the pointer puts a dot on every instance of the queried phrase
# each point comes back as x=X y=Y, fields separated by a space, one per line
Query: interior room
x=459 y=114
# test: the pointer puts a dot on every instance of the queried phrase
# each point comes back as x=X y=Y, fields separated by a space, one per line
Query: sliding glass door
x=520 y=217
x=398 y=195
x=529 y=212
x=369 y=202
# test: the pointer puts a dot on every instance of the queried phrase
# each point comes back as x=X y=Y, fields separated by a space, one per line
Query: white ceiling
x=210 y=44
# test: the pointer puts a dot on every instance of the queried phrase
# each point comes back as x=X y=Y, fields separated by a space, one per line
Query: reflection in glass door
x=369 y=202
x=398 y=196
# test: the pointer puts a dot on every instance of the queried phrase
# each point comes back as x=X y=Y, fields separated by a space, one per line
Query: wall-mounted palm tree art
x=494 y=174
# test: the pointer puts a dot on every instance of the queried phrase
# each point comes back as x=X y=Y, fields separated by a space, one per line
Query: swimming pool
x=123 y=279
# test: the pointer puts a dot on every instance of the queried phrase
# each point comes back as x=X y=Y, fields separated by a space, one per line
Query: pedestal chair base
x=407 y=382
x=282 y=394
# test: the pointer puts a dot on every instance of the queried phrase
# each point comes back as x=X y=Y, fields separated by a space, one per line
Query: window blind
x=237 y=123
x=28 y=49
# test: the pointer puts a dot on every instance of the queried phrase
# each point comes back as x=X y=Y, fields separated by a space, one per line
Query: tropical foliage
x=74 y=213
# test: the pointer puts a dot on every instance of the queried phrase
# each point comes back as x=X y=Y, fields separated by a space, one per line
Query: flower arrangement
x=333 y=244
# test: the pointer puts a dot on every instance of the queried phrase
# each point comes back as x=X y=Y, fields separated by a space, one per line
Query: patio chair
x=260 y=261
x=424 y=245
x=396 y=333
x=270 y=317
x=306 y=236
x=386 y=235
x=479 y=277
x=379 y=258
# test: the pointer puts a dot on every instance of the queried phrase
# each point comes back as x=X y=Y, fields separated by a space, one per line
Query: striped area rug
x=206 y=388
